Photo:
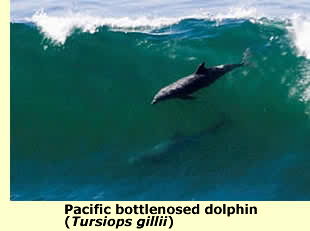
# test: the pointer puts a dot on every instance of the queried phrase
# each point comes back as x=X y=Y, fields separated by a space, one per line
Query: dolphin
x=201 y=78
x=176 y=143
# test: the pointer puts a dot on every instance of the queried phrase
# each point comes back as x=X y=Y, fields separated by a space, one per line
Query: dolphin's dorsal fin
x=200 y=68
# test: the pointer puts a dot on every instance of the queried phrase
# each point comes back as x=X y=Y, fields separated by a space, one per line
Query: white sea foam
x=304 y=84
x=300 y=30
x=239 y=13
x=301 y=89
x=58 y=28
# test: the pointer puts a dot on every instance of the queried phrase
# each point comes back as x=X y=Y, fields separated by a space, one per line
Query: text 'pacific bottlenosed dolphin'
x=202 y=77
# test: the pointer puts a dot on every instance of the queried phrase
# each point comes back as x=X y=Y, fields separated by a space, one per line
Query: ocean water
x=83 y=74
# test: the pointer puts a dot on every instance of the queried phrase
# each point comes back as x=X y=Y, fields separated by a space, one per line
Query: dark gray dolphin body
x=202 y=77
x=176 y=144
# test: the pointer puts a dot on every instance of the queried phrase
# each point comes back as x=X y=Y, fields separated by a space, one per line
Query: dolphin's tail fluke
x=246 y=57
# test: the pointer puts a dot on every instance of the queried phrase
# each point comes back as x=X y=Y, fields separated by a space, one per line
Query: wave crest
x=59 y=28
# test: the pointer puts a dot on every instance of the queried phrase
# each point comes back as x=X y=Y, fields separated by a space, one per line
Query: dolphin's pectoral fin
x=187 y=97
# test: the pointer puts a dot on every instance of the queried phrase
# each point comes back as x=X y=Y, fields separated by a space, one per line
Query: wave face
x=83 y=128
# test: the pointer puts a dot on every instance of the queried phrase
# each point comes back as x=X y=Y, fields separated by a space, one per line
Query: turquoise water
x=83 y=128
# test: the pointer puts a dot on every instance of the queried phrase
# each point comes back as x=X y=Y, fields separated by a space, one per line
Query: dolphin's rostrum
x=202 y=77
